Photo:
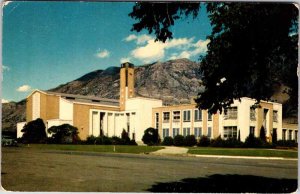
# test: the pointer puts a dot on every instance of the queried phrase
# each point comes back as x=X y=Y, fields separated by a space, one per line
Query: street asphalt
x=37 y=170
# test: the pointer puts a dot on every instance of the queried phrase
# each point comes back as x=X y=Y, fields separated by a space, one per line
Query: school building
x=135 y=114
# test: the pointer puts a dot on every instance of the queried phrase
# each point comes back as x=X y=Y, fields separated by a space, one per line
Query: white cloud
x=4 y=101
x=5 y=68
x=130 y=38
x=139 y=39
x=148 y=50
x=152 y=51
x=125 y=59
x=103 y=54
x=24 y=88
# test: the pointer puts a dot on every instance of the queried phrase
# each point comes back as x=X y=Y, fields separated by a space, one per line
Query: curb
x=243 y=157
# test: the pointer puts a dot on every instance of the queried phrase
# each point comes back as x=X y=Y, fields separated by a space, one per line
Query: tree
x=125 y=138
x=64 y=133
x=151 y=136
x=239 y=136
x=34 y=131
x=252 y=49
x=274 y=136
x=262 y=134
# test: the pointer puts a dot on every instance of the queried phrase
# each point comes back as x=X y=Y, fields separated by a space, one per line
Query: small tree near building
x=34 y=132
x=274 y=136
x=151 y=136
x=64 y=133
x=262 y=134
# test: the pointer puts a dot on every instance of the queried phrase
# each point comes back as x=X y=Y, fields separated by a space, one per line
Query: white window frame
x=186 y=115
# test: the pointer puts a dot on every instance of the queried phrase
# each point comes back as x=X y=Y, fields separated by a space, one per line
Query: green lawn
x=244 y=152
x=96 y=148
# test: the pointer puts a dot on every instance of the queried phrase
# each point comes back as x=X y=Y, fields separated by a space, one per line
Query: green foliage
x=254 y=39
x=34 y=132
x=287 y=143
x=239 y=136
x=190 y=140
x=274 y=137
x=151 y=136
x=218 y=142
x=179 y=140
x=253 y=142
x=168 y=141
x=64 y=133
x=204 y=141
x=91 y=140
x=125 y=137
x=262 y=134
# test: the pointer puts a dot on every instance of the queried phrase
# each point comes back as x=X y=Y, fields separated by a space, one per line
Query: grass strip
x=244 y=152
x=97 y=148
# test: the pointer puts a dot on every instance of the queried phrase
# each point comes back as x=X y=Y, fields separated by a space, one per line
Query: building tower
x=126 y=83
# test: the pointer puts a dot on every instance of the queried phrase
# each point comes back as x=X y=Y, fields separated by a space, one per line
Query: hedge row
x=204 y=141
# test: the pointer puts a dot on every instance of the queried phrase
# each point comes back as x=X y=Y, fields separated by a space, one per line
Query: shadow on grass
x=228 y=183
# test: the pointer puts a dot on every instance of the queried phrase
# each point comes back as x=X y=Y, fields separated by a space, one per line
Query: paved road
x=35 y=170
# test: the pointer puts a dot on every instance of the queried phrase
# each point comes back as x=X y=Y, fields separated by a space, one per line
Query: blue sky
x=46 y=44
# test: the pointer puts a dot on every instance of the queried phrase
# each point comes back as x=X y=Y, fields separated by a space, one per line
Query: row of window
x=232 y=112
x=290 y=135
x=186 y=116
x=187 y=131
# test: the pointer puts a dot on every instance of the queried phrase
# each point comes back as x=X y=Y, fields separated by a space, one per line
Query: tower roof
x=127 y=64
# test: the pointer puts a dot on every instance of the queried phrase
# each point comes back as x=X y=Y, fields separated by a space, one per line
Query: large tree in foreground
x=34 y=131
x=253 y=47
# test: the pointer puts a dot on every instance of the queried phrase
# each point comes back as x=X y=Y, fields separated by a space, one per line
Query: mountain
x=174 y=81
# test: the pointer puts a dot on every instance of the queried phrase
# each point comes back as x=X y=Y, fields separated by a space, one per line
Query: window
x=133 y=113
x=157 y=120
x=209 y=132
x=230 y=113
x=186 y=131
x=275 y=116
x=296 y=136
x=230 y=132
x=175 y=132
x=252 y=129
x=198 y=132
x=186 y=115
x=176 y=116
x=252 y=114
x=166 y=117
x=198 y=115
x=290 y=134
x=165 y=132
x=209 y=118
x=283 y=134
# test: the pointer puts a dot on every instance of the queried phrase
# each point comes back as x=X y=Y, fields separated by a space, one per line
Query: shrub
x=253 y=142
x=116 y=141
x=91 y=140
x=105 y=140
x=262 y=134
x=179 y=140
x=125 y=138
x=287 y=143
x=34 y=132
x=151 y=136
x=218 y=142
x=204 y=141
x=190 y=140
x=132 y=142
x=64 y=133
x=232 y=143
x=168 y=141
x=274 y=137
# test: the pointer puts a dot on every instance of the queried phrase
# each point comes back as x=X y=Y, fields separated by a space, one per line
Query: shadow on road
x=228 y=183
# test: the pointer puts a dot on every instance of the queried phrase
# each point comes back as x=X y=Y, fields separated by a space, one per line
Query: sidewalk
x=171 y=150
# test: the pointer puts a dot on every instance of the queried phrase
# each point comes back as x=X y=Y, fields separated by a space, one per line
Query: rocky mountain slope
x=174 y=81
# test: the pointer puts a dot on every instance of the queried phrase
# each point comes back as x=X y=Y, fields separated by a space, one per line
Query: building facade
x=93 y=115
